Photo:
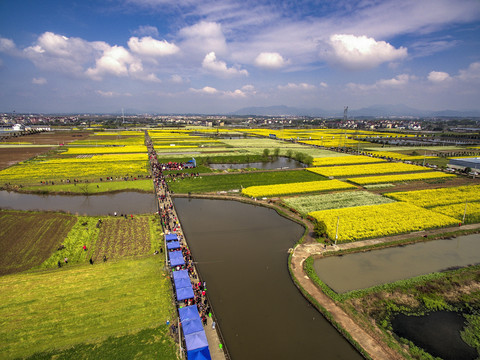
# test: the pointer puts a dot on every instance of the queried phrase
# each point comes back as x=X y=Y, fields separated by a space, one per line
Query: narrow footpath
x=171 y=225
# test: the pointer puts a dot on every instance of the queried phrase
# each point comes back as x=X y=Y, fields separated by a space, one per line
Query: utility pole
x=336 y=233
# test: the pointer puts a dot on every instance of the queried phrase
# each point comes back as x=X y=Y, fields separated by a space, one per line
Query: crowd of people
x=171 y=225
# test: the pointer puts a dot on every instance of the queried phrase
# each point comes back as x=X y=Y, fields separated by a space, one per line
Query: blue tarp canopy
x=199 y=354
x=171 y=237
x=188 y=313
x=181 y=283
x=173 y=245
x=192 y=326
x=176 y=258
x=196 y=340
x=185 y=293
x=181 y=274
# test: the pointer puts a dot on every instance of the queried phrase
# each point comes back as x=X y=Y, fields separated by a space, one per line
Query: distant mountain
x=279 y=110
x=373 y=111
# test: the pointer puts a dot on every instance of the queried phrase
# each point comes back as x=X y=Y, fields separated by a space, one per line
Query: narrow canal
x=241 y=252
x=129 y=202
x=366 y=269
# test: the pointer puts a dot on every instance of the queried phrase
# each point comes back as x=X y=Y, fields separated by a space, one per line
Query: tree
x=289 y=153
x=276 y=152
x=320 y=229
x=266 y=152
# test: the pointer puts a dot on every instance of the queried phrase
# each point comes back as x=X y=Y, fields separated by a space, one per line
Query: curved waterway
x=366 y=269
x=93 y=205
x=241 y=252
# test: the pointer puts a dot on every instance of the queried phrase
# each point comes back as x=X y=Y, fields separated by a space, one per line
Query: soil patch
x=51 y=137
x=11 y=156
x=27 y=239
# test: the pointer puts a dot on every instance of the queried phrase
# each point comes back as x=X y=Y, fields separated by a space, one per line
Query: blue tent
x=188 y=313
x=171 y=237
x=181 y=283
x=197 y=345
x=181 y=274
x=173 y=245
x=199 y=354
x=192 y=326
x=185 y=293
x=176 y=258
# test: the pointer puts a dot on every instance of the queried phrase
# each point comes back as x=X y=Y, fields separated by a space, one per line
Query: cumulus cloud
x=397 y=82
x=204 y=37
x=270 y=60
x=323 y=84
x=39 y=81
x=472 y=73
x=60 y=53
x=205 y=90
x=438 y=76
x=220 y=68
x=7 y=45
x=300 y=86
x=111 y=94
x=362 y=52
x=147 y=46
x=115 y=61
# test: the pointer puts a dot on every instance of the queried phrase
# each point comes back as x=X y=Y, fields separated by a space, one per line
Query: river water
x=366 y=269
x=241 y=252
x=92 y=205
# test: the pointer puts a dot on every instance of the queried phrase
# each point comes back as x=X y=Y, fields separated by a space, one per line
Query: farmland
x=29 y=238
x=60 y=308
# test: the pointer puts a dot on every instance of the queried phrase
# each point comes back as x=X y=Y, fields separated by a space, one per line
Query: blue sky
x=192 y=56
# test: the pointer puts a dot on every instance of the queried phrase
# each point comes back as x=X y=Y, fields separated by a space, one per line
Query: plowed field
x=121 y=237
x=27 y=238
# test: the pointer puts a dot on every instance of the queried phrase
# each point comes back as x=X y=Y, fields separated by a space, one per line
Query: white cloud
x=147 y=46
x=235 y=94
x=204 y=37
x=323 y=84
x=270 y=60
x=111 y=94
x=220 y=68
x=146 y=30
x=7 y=45
x=438 y=76
x=300 y=86
x=39 y=81
x=60 y=53
x=115 y=61
x=362 y=52
x=470 y=74
x=205 y=90
x=397 y=82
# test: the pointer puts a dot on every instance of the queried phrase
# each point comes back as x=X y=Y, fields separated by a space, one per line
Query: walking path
x=171 y=224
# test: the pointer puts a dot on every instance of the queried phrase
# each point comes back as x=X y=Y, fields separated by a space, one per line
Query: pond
x=93 y=205
x=366 y=269
x=241 y=252
x=280 y=163
x=438 y=333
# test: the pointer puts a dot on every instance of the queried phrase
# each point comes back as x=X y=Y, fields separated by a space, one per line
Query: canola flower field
x=296 y=188
x=345 y=160
x=438 y=197
x=372 y=221
x=371 y=169
x=399 y=178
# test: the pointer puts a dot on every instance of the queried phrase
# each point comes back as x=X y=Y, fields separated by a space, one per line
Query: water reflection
x=363 y=270
x=241 y=252
x=93 y=205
